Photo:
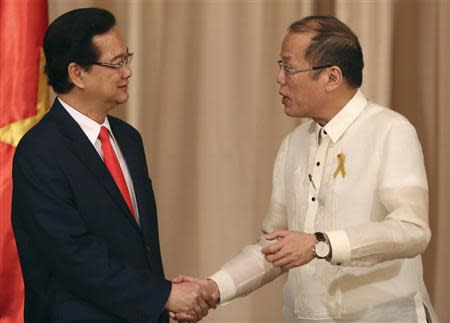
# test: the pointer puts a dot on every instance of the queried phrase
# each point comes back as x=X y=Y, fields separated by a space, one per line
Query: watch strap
x=320 y=236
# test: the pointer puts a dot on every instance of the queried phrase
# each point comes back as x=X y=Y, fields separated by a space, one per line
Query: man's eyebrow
x=121 y=55
x=285 y=58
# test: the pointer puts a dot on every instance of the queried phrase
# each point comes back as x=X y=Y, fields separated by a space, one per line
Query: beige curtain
x=421 y=91
x=204 y=97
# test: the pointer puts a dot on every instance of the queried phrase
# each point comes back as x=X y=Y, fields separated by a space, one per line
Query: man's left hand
x=293 y=249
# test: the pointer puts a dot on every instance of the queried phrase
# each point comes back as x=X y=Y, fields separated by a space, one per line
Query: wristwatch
x=322 y=248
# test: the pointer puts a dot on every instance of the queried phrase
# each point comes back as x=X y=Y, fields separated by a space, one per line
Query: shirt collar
x=336 y=127
x=90 y=127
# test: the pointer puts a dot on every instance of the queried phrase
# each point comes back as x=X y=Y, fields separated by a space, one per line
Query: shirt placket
x=315 y=180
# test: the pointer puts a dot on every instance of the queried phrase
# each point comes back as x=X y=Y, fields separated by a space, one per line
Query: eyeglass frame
x=125 y=61
x=293 y=70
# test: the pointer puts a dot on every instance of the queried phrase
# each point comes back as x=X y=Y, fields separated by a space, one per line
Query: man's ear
x=76 y=75
x=334 y=78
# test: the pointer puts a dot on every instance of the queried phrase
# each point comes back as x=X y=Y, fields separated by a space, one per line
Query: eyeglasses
x=125 y=61
x=293 y=70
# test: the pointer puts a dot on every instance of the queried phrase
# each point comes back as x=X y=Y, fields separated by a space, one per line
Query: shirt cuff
x=225 y=284
x=340 y=246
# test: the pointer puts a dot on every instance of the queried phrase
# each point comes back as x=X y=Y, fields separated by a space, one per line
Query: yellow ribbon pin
x=340 y=167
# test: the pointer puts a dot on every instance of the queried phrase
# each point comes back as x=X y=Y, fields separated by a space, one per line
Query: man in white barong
x=348 y=216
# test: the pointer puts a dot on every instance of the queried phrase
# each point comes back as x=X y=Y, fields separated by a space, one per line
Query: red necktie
x=112 y=163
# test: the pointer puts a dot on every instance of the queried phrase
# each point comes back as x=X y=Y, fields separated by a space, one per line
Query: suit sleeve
x=44 y=210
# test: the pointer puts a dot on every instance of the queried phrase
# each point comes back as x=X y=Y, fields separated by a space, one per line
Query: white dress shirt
x=92 y=129
x=376 y=218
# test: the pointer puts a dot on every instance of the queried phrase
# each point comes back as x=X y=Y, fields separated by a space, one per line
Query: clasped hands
x=191 y=298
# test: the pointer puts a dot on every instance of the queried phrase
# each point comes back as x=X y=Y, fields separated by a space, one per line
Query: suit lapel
x=83 y=149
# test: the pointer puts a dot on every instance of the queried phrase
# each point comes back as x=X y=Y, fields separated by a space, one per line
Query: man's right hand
x=186 y=301
x=210 y=290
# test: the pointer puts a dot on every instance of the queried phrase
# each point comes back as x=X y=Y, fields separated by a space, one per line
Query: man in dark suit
x=84 y=213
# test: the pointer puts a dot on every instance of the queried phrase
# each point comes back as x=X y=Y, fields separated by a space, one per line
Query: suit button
x=148 y=248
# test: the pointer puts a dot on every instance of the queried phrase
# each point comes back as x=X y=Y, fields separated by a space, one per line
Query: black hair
x=334 y=43
x=69 y=39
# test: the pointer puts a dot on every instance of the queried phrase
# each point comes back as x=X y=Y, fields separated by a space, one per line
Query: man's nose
x=127 y=71
x=281 y=77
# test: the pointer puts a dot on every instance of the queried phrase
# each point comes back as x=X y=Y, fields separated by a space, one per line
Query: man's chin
x=122 y=98
x=290 y=112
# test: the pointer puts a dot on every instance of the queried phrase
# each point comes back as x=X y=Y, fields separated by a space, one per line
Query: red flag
x=23 y=101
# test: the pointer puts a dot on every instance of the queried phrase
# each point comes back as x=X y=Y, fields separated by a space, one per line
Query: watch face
x=322 y=249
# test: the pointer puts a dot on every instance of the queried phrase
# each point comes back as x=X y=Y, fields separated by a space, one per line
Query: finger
x=209 y=299
x=276 y=234
x=283 y=262
x=191 y=317
x=184 y=317
x=177 y=280
x=272 y=258
x=273 y=248
x=200 y=307
x=182 y=279
x=214 y=293
x=277 y=248
x=198 y=311
x=189 y=278
x=172 y=315
x=203 y=305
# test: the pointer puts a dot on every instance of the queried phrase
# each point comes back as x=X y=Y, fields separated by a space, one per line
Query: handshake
x=191 y=298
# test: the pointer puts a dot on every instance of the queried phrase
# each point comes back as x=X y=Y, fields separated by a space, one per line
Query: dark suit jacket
x=83 y=256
